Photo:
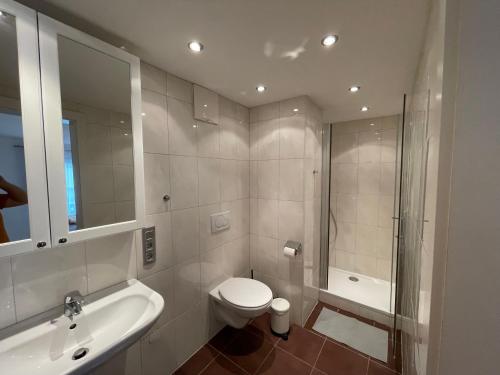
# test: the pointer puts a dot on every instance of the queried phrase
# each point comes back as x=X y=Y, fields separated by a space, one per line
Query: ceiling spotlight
x=364 y=108
x=329 y=40
x=295 y=109
x=354 y=88
x=261 y=88
x=195 y=46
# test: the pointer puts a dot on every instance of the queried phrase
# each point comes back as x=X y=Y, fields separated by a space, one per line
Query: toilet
x=237 y=300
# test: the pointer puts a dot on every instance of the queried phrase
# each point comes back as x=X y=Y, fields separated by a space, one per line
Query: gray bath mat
x=367 y=339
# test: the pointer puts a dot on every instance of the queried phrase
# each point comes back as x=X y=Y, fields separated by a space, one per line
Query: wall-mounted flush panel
x=148 y=245
x=220 y=221
x=206 y=105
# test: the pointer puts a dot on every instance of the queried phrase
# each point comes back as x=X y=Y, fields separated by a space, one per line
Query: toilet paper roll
x=289 y=251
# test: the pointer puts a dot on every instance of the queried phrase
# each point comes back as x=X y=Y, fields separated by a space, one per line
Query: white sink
x=110 y=321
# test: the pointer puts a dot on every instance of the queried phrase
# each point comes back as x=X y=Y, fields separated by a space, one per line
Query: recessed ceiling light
x=354 y=88
x=195 y=46
x=261 y=88
x=372 y=124
x=143 y=114
x=364 y=108
x=1 y=13
x=329 y=40
x=295 y=109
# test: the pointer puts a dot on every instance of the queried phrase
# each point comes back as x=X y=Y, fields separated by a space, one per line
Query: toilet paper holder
x=295 y=245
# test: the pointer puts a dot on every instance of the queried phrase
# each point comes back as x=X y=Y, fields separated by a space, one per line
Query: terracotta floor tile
x=335 y=359
x=280 y=362
x=224 y=338
x=375 y=368
x=198 y=361
x=262 y=325
x=222 y=366
x=303 y=343
x=248 y=350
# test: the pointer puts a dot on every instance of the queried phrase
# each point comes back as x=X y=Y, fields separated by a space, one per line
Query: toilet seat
x=243 y=293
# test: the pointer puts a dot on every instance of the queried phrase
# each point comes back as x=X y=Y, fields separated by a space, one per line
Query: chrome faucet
x=73 y=302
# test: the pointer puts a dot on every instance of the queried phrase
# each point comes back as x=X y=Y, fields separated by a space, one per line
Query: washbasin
x=110 y=321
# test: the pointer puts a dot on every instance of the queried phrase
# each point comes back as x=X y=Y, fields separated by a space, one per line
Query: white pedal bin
x=280 y=316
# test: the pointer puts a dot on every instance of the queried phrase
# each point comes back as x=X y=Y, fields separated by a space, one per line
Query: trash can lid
x=280 y=305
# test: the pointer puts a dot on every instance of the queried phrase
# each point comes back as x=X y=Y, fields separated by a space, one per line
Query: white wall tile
x=367 y=209
x=292 y=135
x=153 y=79
x=347 y=207
x=254 y=179
x=369 y=178
x=209 y=181
x=179 y=88
x=268 y=218
x=181 y=128
x=123 y=181
x=366 y=239
x=208 y=139
x=268 y=179
x=346 y=236
x=157 y=182
x=188 y=334
x=187 y=284
x=158 y=351
x=344 y=148
x=345 y=178
x=209 y=240
x=387 y=178
x=110 y=260
x=369 y=147
x=154 y=122
x=183 y=182
x=97 y=183
x=163 y=283
x=229 y=180
x=185 y=234
x=42 y=279
x=121 y=143
x=269 y=136
x=7 y=308
x=291 y=178
x=291 y=221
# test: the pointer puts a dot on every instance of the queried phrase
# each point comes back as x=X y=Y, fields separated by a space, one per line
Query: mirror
x=97 y=132
x=14 y=210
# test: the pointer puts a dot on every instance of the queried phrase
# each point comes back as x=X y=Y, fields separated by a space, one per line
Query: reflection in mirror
x=14 y=212
x=97 y=131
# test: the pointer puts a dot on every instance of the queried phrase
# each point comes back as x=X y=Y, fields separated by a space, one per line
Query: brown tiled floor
x=254 y=350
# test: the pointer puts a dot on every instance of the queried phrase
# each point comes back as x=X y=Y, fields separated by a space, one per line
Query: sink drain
x=353 y=278
x=80 y=353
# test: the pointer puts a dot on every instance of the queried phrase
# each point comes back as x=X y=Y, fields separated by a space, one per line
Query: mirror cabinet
x=71 y=164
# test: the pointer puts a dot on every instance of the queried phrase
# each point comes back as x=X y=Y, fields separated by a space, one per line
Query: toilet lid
x=246 y=293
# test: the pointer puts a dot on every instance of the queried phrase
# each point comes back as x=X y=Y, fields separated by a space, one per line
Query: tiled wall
x=284 y=188
x=103 y=160
x=205 y=169
x=362 y=195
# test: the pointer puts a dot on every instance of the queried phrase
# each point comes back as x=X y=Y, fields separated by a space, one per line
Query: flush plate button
x=220 y=221
x=148 y=245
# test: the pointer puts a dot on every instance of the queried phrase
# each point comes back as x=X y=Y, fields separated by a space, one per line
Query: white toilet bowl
x=237 y=300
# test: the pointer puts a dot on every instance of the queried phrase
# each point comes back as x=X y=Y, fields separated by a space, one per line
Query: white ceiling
x=277 y=43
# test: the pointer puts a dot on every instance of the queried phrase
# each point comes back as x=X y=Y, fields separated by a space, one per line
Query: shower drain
x=353 y=278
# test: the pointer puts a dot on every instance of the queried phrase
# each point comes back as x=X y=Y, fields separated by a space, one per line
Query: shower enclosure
x=360 y=206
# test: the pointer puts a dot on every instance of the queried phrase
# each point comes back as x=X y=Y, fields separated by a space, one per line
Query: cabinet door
x=92 y=118
x=24 y=218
